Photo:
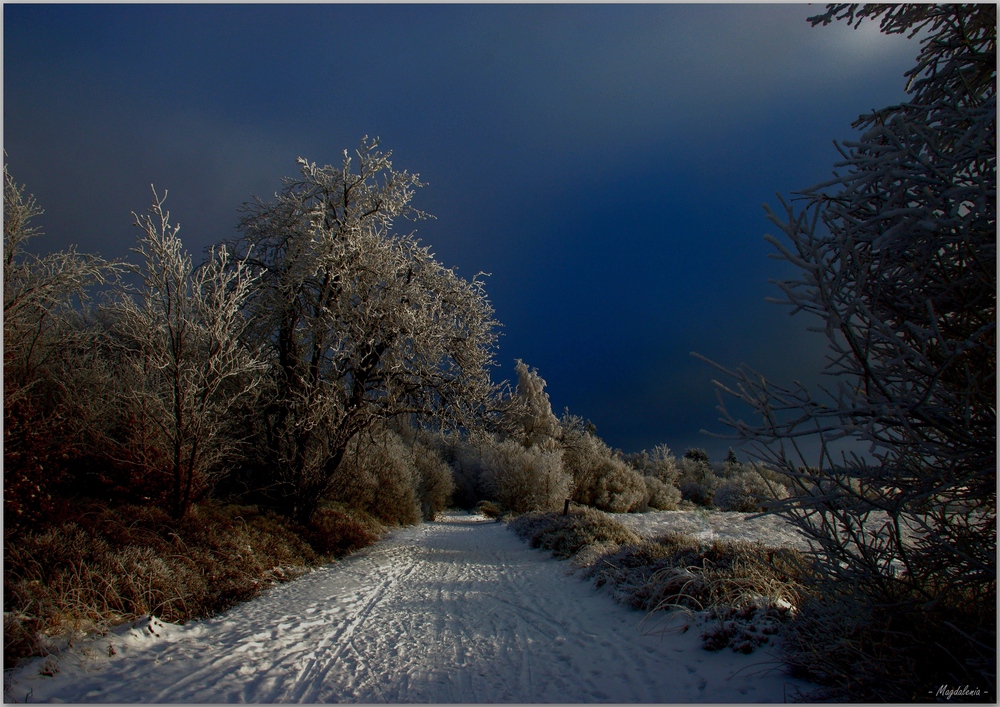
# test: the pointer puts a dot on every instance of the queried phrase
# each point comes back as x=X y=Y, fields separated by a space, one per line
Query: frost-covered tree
x=177 y=341
x=362 y=324
x=42 y=333
x=897 y=261
x=40 y=294
x=534 y=413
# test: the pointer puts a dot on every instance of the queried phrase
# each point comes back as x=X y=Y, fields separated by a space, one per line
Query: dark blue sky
x=606 y=163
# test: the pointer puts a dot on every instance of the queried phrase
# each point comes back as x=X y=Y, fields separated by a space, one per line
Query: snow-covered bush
x=378 y=474
x=523 y=478
x=659 y=463
x=661 y=496
x=434 y=479
x=516 y=477
x=540 y=428
x=600 y=478
x=617 y=488
x=745 y=491
x=697 y=481
x=565 y=535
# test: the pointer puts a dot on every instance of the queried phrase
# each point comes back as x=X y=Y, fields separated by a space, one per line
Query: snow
x=458 y=610
x=707 y=526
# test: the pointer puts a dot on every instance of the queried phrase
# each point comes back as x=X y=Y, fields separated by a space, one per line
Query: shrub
x=697 y=481
x=661 y=496
x=746 y=491
x=378 y=475
x=337 y=529
x=659 y=463
x=600 y=479
x=538 y=426
x=832 y=642
x=489 y=509
x=435 y=484
x=896 y=255
x=525 y=479
x=618 y=488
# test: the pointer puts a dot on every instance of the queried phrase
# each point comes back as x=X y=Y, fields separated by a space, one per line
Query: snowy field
x=458 y=610
x=707 y=525
x=715 y=525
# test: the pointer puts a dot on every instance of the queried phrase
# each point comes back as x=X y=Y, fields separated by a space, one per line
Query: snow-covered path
x=459 y=610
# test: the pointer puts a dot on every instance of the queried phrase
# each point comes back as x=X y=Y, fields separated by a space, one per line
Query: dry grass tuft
x=565 y=535
x=336 y=530
x=102 y=566
x=677 y=571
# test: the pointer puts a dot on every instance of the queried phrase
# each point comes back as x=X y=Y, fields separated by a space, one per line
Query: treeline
x=317 y=357
x=177 y=436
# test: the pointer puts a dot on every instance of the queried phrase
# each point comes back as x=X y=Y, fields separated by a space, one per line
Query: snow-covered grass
x=102 y=565
x=706 y=526
x=458 y=610
x=739 y=591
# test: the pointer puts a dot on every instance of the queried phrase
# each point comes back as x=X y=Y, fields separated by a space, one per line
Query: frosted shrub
x=659 y=463
x=745 y=491
x=697 y=481
x=525 y=478
x=619 y=489
x=539 y=426
x=661 y=496
x=378 y=475
x=435 y=484
x=600 y=479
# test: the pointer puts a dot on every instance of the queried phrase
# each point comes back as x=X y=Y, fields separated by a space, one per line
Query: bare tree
x=178 y=343
x=362 y=324
x=897 y=255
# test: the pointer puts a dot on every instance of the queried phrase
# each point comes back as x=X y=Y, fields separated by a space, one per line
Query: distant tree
x=361 y=324
x=897 y=255
x=696 y=454
x=178 y=343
